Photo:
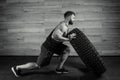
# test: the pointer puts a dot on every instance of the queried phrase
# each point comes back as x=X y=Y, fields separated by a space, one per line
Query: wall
x=24 y=24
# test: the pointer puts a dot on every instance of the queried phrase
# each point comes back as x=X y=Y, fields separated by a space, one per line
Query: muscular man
x=53 y=44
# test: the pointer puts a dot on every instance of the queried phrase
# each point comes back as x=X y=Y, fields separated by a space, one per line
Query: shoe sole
x=14 y=72
x=61 y=72
x=65 y=72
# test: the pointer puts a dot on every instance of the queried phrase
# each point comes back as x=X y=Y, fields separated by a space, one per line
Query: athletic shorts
x=45 y=56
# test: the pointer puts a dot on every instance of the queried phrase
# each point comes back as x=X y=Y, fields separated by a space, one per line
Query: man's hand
x=72 y=36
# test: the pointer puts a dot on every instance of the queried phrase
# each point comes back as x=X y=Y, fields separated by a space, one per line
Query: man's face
x=71 y=19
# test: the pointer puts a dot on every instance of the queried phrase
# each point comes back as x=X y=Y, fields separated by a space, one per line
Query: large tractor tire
x=87 y=52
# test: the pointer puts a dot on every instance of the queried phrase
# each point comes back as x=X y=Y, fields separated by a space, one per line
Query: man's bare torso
x=60 y=30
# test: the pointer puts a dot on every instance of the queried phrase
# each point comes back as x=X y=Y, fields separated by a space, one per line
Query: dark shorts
x=46 y=55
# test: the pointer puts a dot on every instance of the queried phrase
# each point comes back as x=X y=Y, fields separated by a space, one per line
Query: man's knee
x=67 y=50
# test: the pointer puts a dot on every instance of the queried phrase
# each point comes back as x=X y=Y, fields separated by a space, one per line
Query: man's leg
x=45 y=57
x=63 y=58
x=30 y=65
x=43 y=60
x=17 y=69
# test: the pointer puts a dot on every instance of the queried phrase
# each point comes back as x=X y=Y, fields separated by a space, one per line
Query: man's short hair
x=68 y=13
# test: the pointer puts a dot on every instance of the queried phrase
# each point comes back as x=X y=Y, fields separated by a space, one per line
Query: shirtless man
x=53 y=44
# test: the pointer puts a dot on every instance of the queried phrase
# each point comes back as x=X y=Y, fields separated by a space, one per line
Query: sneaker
x=63 y=70
x=16 y=72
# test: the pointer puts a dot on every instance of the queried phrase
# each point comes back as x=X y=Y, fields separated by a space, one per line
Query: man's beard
x=70 y=22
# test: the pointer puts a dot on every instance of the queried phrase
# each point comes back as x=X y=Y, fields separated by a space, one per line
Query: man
x=53 y=44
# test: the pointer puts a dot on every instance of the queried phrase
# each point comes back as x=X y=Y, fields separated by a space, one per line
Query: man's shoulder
x=62 y=26
x=62 y=23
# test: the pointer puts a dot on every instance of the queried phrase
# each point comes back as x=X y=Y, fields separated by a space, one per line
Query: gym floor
x=77 y=70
